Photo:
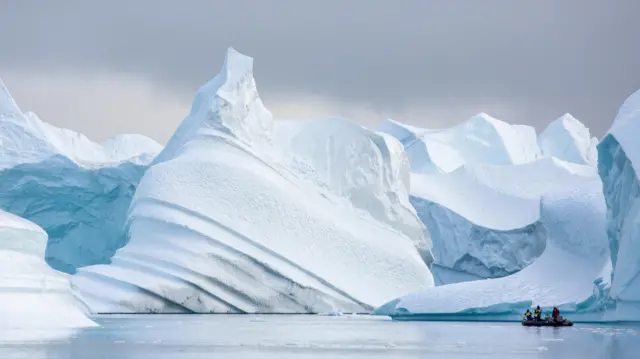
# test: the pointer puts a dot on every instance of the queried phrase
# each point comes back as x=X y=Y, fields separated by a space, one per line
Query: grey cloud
x=547 y=57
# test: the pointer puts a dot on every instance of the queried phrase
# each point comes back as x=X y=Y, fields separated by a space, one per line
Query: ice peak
x=482 y=119
x=567 y=117
x=483 y=116
x=7 y=104
x=568 y=139
x=236 y=63
x=228 y=105
x=235 y=68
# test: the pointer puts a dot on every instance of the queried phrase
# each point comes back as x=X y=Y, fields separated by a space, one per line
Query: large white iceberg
x=478 y=187
x=223 y=222
x=77 y=190
x=33 y=297
x=618 y=164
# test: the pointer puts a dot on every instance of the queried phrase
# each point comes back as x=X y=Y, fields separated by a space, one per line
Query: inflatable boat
x=547 y=323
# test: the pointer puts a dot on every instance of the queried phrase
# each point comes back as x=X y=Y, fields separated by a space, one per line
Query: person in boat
x=527 y=315
x=547 y=317
x=537 y=314
x=555 y=316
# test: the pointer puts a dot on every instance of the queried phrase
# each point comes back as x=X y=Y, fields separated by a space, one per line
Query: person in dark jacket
x=555 y=314
x=527 y=315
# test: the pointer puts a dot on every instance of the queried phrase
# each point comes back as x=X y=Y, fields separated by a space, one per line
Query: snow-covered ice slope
x=370 y=170
x=481 y=139
x=576 y=253
x=221 y=223
x=568 y=139
x=483 y=210
x=33 y=297
x=75 y=189
x=618 y=165
x=485 y=220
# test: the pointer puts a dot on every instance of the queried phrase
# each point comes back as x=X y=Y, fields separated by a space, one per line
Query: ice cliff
x=224 y=221
x=618 y=163
x=478 y=187
x=35 y=300
x=77 y=190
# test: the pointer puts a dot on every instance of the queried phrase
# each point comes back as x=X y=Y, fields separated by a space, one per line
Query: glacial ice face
x=221 y=223
x=33 y=297
x=474 y=250
x=75 y=189
x=82 y=210
x=618 y=158
x=480 y=140
x=568 y=139
x=576 y=253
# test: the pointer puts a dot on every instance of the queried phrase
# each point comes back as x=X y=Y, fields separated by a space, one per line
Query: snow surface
x=618 y=165
x=576 y=253
x=76 y=189
x=33 y=297
x=221 y=222
x=483 y=210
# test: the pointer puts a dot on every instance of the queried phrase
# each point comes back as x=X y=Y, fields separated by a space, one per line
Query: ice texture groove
x=237 y=215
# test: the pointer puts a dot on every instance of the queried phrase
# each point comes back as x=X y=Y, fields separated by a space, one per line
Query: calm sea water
x=353 y=337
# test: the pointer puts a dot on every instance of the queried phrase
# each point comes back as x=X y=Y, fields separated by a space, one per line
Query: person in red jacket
x=555 y=314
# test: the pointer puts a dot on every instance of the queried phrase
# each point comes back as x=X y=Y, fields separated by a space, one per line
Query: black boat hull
x=542 y=323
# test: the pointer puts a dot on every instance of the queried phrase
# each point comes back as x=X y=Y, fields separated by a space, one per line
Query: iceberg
x=77 y=190
x=483 y=211
x=240 y=214
x=571 y=273
x=618 y=164
x=35 y=300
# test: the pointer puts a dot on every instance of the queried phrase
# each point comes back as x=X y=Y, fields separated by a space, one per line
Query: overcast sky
x=107 y=67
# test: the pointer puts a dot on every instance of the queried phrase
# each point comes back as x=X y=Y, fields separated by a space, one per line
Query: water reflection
x=194 y=337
